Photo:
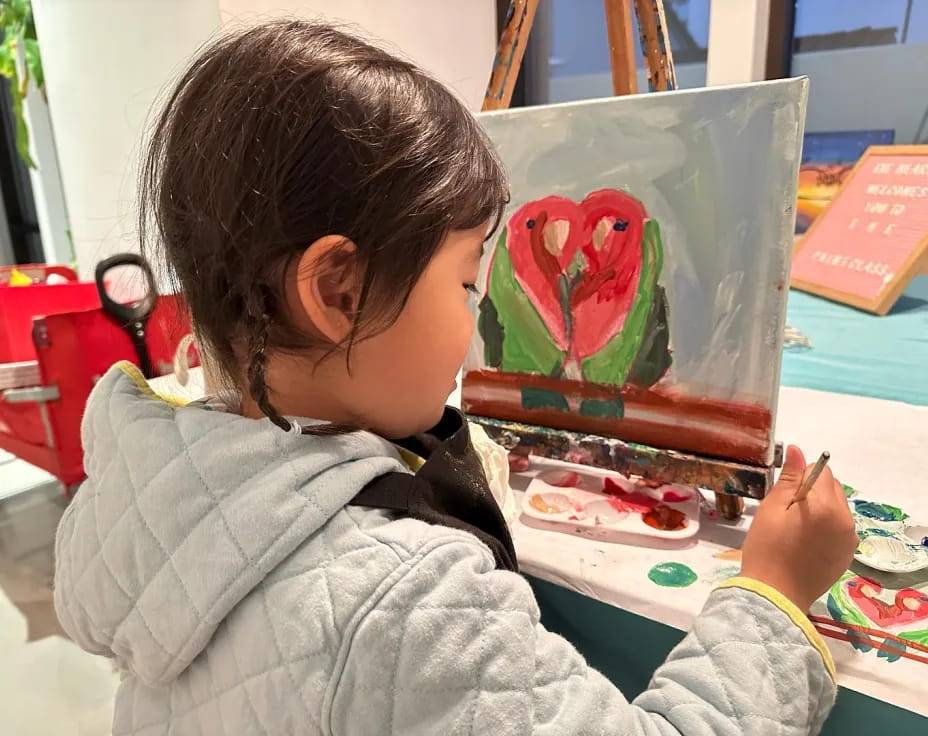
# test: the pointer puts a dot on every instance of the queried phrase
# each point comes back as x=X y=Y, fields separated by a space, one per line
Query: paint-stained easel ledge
x=705 y=428
x=627 y=458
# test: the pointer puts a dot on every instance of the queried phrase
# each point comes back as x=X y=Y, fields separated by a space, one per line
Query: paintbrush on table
x=809 y=480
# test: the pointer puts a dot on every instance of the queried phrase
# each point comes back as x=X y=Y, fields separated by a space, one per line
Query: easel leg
x=729 y=506
x=655 y=45
x=509 y=53
x=621 y=46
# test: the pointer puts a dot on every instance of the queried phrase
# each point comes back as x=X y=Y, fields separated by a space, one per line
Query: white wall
x=50 y=208
x=737 y=41
x=105 y=63
x=591 y=86
x=454 y=41
x=851 y=89
x=867 y=88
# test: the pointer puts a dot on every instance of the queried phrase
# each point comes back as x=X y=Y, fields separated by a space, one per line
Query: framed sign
x=873 y=239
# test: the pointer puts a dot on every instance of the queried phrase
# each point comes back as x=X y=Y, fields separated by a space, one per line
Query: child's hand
x=801 y=551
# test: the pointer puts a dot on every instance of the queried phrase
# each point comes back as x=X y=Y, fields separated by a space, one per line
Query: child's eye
x=472 y=289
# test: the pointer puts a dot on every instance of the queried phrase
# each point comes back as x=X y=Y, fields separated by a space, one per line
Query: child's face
x=401 y=378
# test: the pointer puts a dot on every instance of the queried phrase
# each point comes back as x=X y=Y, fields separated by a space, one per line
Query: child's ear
x=329 y=285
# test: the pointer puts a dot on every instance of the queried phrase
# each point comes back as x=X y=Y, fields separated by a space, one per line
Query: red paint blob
x=618 y=505
x=674 y=497
x=664 y=518
x=633 y=501
x=611 y=488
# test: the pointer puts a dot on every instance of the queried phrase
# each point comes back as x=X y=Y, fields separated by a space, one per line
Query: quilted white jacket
x=214 y=559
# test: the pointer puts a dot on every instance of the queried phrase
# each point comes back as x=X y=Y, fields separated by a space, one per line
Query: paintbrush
x=809 y=480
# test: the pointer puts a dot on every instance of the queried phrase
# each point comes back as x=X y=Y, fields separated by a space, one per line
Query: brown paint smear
x=665 y=518
x=733 y=431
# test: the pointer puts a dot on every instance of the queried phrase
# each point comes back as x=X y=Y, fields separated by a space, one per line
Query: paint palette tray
x=609 y=507
x=888 y=540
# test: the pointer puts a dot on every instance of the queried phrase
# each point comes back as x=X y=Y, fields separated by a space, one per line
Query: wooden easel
x=655 y=46
x=731 y=480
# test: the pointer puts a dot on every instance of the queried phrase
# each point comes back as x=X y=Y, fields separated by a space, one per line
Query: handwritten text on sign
x=865 y=238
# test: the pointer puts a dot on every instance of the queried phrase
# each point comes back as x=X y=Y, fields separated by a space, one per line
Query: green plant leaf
x=611 y=364
x=8 y=59
x=527 y=345
x=22 y=131
x=8 y=70
x=34 y=61
x=22 y=9
x=17 y=24
x=13 y=14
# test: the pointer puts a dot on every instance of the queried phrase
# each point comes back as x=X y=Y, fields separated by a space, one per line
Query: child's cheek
x=467 y=325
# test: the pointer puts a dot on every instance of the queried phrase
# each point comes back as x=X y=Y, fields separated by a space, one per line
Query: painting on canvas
x=637 y=287
x=827 y=159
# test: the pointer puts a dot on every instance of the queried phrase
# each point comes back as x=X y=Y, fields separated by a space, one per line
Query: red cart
x=56 y=341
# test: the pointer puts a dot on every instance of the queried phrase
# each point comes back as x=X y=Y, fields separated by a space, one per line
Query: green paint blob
x=654 y=358
x=491 y=330
x=879 y=511
x=848 y=491
x=539 y=398
x=672 y=575
x=614 y=409
x=527 y=345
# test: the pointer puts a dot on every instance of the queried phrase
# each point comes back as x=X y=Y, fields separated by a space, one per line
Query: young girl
x=275 y=560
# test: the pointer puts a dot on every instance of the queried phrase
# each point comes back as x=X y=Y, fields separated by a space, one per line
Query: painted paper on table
x=827 y=159
x=638 y=286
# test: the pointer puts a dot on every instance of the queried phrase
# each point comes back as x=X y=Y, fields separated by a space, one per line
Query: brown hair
x=281 y=134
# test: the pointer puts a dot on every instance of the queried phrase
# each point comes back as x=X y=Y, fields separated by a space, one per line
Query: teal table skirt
x=627 y=649
x=857 y=353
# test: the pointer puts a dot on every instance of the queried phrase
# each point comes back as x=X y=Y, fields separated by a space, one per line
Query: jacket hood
x=184 y=512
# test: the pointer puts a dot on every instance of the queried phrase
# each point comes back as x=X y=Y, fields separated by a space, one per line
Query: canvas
x=637 y=287
x=827 y=159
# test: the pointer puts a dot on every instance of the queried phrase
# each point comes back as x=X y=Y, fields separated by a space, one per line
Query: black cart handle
x=127 y=314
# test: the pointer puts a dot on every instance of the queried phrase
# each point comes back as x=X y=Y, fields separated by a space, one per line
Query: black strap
x=450 y=489
x=388 y=491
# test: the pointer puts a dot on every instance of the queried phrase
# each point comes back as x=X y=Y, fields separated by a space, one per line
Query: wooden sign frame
x=916 y=263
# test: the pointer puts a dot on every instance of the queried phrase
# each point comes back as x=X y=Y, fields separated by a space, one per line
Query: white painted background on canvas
x=717 y=168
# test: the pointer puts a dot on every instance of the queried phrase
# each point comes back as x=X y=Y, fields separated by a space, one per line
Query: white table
x=879 y=447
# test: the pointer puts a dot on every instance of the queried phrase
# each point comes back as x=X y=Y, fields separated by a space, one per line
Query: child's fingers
x=839 y=491
x=829 y=489
x=829 y=485
x=791 y=476
x=824 y=486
